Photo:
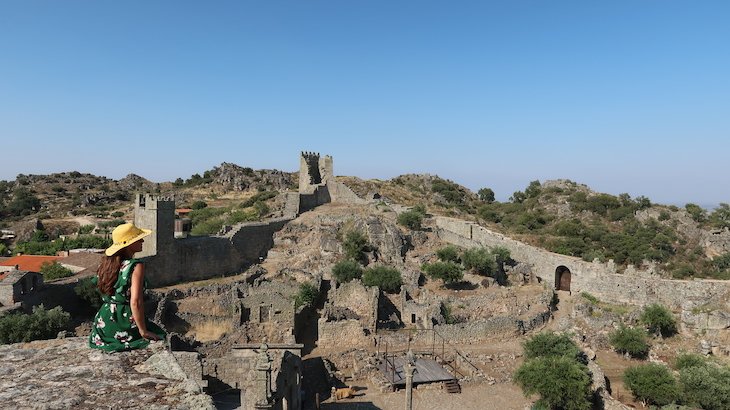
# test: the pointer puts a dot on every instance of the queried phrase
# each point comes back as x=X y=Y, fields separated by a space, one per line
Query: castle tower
x=158 y=214
x=313 y=171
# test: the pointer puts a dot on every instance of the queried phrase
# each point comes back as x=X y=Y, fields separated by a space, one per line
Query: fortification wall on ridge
x=600 y=279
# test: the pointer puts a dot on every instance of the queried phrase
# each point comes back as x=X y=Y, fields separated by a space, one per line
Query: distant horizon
x=500 y=196
x=622 y=96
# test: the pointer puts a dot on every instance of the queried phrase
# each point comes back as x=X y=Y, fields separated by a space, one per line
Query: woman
x=120 y=324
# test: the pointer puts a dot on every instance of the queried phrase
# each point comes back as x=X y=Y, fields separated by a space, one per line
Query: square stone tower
x=158 y=214
x=314 y=171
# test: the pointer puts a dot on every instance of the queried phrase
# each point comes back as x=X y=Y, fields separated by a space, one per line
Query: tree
x=480 y=260
x=411 y=220
x=533 y=189
x=486 y=195
x=696 y=212
x=659 y=320
x=518 y=197
x=387 y=279
x=630 y=341
x=355 y=245
x=448 y=254
x=561 y=382
x=720 y=217
x=23 y=203
x=199 y=205
x=549 y=344
x=347 y=270
x=707 y=386
x=306 y=296
x=449 y=272
x=652 y=384
x=54 y=270
x=88 y=291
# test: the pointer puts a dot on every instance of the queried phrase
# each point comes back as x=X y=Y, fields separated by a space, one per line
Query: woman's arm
x=137 y=302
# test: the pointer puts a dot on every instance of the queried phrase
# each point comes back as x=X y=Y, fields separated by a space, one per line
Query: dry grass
x=211 y=330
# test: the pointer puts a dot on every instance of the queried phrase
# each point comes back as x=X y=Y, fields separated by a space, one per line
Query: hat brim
x=110 y=251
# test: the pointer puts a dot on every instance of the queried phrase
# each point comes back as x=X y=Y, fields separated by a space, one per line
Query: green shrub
x=549 y=344
x=88 y=291
x=117 y=214
x=561 y=382
x=307 y=295
x=696 y=212
x=355 y=245
x=54 y=270
x=41 y=324
x=449 y=272
x=411 y=220
x=630 y=340
x=686 y=360
x=86 y=229
x=448 y=254
x=199 y=205
x=707 y=387
x=652 y=384
x=587 y=296
x=480 y=260
x=387 y=279
x=347 y=270
x=659 y=320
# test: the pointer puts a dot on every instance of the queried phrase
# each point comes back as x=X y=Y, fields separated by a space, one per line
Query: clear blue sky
x=625 y=96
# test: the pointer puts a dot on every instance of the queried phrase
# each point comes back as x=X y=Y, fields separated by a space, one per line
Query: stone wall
x=359 y=298
x=600 y=279
x=318 y=195
x=344 y=334
x=341 y=193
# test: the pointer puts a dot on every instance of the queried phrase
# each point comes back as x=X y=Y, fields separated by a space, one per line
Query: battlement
x=151 y=201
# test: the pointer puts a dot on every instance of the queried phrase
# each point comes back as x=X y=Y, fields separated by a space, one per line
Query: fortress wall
x=252 y=240
x=599 y=279
x=194 y=258
x=309 y=201
x=341 y=193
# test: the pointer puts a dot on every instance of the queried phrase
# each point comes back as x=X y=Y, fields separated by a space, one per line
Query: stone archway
x=562 y=278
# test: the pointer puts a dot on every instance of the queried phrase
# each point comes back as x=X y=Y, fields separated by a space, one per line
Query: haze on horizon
x=620 y=96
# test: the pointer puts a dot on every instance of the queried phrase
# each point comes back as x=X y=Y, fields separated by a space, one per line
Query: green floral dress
x=114 y=328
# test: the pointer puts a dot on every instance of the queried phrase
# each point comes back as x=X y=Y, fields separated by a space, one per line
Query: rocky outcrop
x=65 y=374
x=240 y=178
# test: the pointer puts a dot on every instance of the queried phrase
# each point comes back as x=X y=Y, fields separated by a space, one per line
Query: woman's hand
x=150 y=335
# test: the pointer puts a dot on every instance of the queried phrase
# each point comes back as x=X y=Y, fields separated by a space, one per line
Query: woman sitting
x=120 y=323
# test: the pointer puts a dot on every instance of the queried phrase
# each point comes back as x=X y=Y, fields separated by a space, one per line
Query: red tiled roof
x=31 y=263
x=183 y=210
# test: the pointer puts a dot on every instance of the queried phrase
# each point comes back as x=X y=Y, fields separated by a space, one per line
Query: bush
x=479 y=260
x=54 y=270
x=355 y=245
x=631 y=341
x=448 y=254
x=87 y=290
x=449 y=272
x=706 y=386
x=549 y=344
x=387 y=279
x=659 y=320
x=686 y=360
x=347 y=270
x=652 y=384
x=199 y=205
x=411 y=220
x=86 y=229
x=307 y=295
x=561 y=382
x=41 y=324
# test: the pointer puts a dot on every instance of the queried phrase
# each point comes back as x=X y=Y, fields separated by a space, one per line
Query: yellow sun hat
x=125 y=235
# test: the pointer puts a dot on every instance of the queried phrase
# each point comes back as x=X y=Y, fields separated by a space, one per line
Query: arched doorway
x=562 y=278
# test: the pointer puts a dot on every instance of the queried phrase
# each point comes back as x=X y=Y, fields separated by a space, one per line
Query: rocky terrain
x=65 y=373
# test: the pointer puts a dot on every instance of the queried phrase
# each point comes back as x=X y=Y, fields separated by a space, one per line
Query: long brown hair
x=109 y=271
